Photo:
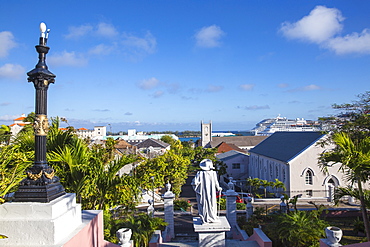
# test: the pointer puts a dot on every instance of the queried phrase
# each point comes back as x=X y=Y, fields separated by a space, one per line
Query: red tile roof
x=224 y=147
x=19 y=119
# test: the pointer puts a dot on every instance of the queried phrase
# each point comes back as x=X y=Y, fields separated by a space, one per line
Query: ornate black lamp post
x=40 y=185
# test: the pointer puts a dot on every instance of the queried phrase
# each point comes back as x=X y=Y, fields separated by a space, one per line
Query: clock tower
x=206 y=133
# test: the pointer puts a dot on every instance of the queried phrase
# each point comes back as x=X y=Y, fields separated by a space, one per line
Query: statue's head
x=206 y=164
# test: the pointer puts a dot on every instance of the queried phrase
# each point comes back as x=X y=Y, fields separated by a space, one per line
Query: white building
x=18 y=124
x=134 y=137
x=98 y=131
x=237 y=164
x=292 y=157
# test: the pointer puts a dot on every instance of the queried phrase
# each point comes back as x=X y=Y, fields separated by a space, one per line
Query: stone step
x=229 y=243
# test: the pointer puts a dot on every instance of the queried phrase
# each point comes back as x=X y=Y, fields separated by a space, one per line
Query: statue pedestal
x=211 y=234
x=39 y=224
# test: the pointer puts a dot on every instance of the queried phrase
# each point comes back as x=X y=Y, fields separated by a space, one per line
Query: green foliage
x=201 y=153
x=168 y=139
x=221 y=203
x=171 y=167
x=353 y=156
x=358 y=226
x=5 y=134
x=353 y=192
x=13 y=164
x=142 y=226
x=297 y=229
x=181 y=204
x=240 y=206
x=256 y=183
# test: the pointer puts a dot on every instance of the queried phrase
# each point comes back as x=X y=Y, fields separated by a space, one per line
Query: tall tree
x=171 y=167
x=353 y=157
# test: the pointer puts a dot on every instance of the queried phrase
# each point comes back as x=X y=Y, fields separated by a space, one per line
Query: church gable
x=284 y=146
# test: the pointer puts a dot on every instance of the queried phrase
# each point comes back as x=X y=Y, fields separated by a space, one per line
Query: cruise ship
x=272 y=125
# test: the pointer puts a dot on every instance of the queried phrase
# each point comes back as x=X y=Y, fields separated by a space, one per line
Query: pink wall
x=260 y=237
x=92 y=235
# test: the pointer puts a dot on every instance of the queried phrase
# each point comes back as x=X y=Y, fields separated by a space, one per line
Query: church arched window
x=309 y=176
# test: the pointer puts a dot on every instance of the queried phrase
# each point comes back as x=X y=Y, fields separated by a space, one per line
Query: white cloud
x=77 y=32
x=157 y=94
x=353 y=43
x=214 y=89
x=101 y=49
x=247 y=87
x=106 y=30
x=310 y=87
x=283 y=85
x=11 y=71
x=8 y=117
x=101 y=29
x=172 y=87
x=321 y=24
x=255 y=107
x=209 y=37
x=138 y=45
x=101 y=110
x=149 y=83
x=6 y=43
x=67 y=59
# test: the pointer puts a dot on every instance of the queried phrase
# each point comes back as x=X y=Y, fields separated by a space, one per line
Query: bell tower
x=206 y=130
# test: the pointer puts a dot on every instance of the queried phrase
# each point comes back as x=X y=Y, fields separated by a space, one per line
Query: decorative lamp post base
x=38 y=193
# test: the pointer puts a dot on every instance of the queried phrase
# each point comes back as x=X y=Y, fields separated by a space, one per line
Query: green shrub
x=221 y=203
x=181 y=204
x=142 y=227
x=240 y=206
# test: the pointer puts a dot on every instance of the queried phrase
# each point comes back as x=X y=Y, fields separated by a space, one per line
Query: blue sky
x=168 y=65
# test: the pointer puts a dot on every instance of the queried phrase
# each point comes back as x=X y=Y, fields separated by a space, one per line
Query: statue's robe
x=206 y=185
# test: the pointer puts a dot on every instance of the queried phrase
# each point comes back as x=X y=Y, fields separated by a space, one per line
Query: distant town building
x=18 y=124
x=152 y=147
x=224 y=147
x=237 y=164
x=98 y=131
x=213 y=140
x=134 y=137
x=243 y=142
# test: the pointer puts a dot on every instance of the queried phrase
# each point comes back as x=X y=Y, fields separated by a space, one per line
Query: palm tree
x=13 y=164
x=277 y=184
x=265 y=184
x=299 y=228
x=5 y=134
x=354 y=160
x=353 y=192
x=142 y=226
x=71 y=164
x=254 y=184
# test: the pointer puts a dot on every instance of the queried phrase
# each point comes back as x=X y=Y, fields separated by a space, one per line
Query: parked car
x=245 y=195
